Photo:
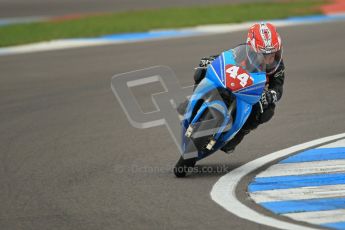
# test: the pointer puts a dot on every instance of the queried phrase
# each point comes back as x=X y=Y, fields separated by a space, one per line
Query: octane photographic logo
x=165 y=102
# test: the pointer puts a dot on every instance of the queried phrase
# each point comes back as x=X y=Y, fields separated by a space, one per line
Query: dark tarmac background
x=71 y=160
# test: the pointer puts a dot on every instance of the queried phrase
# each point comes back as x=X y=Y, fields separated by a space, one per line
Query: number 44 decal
x=243 y=76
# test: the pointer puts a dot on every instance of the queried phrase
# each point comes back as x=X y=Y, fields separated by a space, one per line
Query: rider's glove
x=268 y=97
x=205 y=61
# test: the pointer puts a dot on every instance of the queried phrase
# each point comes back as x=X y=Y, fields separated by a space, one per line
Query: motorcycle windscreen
x=245 y=73
x=241 y=71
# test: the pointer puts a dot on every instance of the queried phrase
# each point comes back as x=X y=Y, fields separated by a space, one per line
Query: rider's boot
x=231 y=145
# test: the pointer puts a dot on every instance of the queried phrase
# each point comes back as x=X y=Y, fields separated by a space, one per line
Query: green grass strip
x=140 y=21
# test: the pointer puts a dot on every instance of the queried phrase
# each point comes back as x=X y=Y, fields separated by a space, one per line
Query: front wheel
x=183 y=166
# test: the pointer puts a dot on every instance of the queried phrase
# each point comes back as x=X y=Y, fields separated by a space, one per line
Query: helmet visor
x=256 y=60
x=264 y=62
x=272 y=61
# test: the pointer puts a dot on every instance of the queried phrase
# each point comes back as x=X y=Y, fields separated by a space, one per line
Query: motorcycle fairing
x=246 y=97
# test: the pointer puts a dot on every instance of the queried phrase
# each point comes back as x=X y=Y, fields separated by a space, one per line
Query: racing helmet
x=263 y=38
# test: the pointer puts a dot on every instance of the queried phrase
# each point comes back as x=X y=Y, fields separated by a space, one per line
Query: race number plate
x=237 y=78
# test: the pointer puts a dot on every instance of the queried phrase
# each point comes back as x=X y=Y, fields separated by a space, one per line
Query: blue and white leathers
x=231 y=115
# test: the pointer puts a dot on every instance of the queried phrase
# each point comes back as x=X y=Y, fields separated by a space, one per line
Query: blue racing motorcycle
x=220 y=104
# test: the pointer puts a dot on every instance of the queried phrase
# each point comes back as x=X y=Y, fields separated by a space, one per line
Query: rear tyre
x=183 y=166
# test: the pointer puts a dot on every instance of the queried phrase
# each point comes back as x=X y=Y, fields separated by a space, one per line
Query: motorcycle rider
x=262 y=38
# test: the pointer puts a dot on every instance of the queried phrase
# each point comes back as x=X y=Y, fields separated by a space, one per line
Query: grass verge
x=139 y=21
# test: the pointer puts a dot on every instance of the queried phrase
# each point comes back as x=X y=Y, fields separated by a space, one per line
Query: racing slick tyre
x=183 y=166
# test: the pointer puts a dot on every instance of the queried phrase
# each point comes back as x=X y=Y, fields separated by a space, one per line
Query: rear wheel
x=183 y=166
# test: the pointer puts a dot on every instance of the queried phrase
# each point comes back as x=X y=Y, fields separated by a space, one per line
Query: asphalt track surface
x=71 y=160
x=28 y=8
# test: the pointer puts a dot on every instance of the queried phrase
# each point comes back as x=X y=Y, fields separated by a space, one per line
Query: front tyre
x=183 y=166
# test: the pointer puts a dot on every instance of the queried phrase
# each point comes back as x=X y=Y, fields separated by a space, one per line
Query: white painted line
x=313 y=167
x=316 y=192
x=223 y=192
x=336 y=144
x=320 y=217
x=76 y=43
x=52 y=45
